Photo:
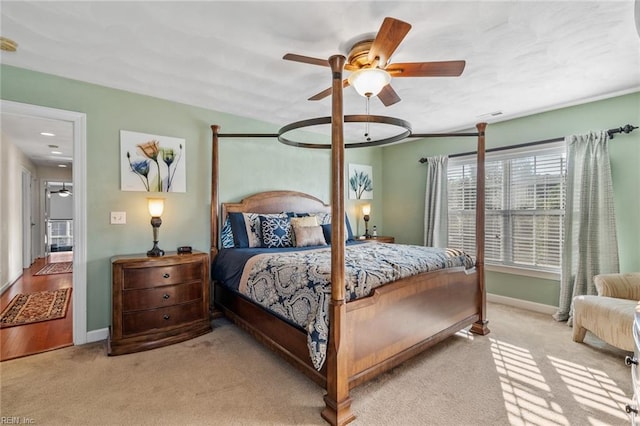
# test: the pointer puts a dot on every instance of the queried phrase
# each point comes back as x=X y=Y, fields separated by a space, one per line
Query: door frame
x=27 y=219
x=79 y=178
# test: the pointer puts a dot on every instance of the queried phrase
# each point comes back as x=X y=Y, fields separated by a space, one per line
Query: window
x=525 y=199
x=60 y=234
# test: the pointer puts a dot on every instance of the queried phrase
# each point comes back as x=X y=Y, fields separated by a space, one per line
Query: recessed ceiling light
x=47 y=134
x=56 y=152
x=62 y=165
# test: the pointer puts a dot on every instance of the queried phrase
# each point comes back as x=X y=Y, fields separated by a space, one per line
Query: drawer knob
x=166 y=296
x=629 y=409
x=166 y=317
x=629 y=360
x=166 y=275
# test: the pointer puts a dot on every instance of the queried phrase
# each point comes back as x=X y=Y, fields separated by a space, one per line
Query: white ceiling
x=522 y=56
x=52 y=151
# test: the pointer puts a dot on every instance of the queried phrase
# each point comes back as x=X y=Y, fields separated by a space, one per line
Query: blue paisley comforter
x=295 y=284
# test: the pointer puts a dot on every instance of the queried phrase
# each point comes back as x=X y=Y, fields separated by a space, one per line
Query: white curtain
x=590 y=245
x=436 y=224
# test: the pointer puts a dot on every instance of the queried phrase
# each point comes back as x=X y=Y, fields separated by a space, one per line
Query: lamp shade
x=366 y=209
x=369 y=81
x=156 y=206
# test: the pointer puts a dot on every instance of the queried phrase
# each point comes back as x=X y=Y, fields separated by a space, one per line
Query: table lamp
x=156 y=207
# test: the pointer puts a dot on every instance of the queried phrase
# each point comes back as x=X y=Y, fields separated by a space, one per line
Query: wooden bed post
x=214 y=191
x=337 y=409
x=480 y=326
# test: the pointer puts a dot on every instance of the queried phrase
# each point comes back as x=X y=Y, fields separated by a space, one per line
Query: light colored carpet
x=527 y=371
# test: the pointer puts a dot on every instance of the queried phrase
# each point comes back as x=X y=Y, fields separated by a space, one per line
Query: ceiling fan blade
x=426 y=69
x=391 y=33
x=327 y=92
x=388 y=96
x=306 y=59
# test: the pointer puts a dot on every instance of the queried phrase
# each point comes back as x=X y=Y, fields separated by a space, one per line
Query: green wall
x=249 y=166
x=405 y=179
x=246 y=166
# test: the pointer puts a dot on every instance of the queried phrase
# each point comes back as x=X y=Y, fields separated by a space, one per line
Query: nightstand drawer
x=161 y=275
x=143 y=321
x=157 y=297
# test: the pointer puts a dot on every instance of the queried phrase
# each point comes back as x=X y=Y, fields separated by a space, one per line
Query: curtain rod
x=624 y=129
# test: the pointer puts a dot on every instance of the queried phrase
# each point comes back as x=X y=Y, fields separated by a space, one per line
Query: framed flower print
x=152 y=163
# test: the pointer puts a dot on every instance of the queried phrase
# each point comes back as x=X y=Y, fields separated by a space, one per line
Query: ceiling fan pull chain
x=366 y=125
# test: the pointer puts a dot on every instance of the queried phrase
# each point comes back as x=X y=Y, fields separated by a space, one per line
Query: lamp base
x=155 y=250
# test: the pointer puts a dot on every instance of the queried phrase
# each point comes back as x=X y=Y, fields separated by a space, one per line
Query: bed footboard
x=398 y=321
x=401 y=320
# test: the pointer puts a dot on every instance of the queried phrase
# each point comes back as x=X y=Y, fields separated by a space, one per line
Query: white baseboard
x=97 y=335
x=522 y=304
x=9 y=283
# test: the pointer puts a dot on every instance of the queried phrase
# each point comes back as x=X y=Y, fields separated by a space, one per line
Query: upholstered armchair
x=609 y=315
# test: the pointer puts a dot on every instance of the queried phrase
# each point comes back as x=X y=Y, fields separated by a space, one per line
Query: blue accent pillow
x=226 y=235
x=326 y=230
x=350 y=236
x=239 y=230
x=276 y=232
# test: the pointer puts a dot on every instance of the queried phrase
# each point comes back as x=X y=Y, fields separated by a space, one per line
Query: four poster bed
x=365 y=334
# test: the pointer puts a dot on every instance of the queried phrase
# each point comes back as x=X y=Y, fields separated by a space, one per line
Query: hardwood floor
x=43 y=336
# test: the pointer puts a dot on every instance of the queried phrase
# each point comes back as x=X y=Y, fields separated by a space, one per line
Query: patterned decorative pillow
x=254 y=231
x=309 y=236
x=226 y=235
x=276 y=231
x=323 y=218
x=246 y=228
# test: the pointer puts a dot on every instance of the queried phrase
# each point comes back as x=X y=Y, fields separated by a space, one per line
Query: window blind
x=525 y=199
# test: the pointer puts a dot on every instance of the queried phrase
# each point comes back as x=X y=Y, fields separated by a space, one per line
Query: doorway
x=78 y=181
x=58 y=217
x=27 y=219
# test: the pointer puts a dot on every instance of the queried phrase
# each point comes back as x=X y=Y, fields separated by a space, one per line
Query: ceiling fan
x=63 y=192
x=371 y=72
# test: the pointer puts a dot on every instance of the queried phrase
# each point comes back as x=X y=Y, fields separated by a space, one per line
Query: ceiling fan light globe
x=64 y=193
x=369 y=81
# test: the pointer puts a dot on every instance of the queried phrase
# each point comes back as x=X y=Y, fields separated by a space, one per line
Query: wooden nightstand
x=158 y=301
x=381 y=239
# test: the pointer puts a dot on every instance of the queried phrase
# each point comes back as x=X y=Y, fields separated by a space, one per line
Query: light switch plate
x=118 y=218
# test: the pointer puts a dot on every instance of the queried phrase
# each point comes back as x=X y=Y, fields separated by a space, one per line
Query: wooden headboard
x=276 y=202
x=270 y=202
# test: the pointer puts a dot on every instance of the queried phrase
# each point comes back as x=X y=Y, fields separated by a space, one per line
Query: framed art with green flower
x=152 y=163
